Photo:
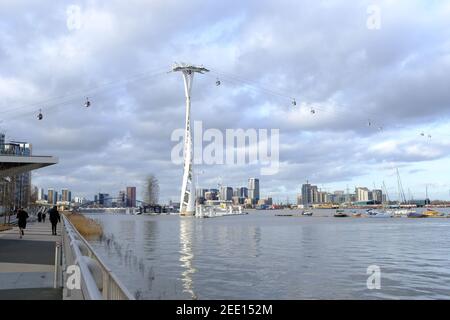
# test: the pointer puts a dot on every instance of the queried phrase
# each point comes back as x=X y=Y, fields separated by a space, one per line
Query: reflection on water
x=255 y=233
x=187 y=255
x=261 y=256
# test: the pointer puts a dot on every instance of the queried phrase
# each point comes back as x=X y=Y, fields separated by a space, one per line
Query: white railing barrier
x=97 y=281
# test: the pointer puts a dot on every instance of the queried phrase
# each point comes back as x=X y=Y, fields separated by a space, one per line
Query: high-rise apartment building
x=307 y=198
x=253 y=190
x=66 y=195
x=243 y=192
x=377 y=195
x=131 y=197
x=226 y=193
x=315 y=194
x=41 y=194
x=122 y=199
x=52 y=196
x=362 y=194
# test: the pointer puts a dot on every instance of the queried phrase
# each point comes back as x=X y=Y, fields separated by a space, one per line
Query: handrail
x=109 y=287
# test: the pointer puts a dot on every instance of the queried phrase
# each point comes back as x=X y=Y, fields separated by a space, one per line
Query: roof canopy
x=14 y=165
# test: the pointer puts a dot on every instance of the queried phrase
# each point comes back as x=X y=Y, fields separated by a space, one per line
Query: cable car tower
x=187 y=201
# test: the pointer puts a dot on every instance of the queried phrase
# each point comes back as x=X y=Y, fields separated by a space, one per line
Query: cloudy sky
x=328 y=55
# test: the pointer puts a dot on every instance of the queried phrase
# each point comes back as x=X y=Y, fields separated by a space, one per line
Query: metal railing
x=97 y=281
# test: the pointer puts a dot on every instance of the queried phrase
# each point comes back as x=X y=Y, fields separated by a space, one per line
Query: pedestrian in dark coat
x=39 y=216
x=54 y=218
x=22 y=217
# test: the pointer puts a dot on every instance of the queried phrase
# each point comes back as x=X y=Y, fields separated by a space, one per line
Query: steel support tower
x=187 y=200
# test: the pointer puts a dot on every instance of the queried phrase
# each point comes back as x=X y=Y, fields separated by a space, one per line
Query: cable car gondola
x=87 y=104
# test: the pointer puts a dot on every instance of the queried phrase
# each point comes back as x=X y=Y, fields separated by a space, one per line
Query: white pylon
x=187 y=200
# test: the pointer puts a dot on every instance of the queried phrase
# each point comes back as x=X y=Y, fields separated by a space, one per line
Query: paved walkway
x=27 y=265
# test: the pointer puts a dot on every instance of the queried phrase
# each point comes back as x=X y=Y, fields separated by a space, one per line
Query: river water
x=263 y=256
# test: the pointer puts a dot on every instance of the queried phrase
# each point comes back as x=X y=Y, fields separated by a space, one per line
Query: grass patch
x=87 y=227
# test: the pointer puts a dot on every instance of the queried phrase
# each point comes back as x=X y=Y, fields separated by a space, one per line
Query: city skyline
x=125 y=134
x=392 y=191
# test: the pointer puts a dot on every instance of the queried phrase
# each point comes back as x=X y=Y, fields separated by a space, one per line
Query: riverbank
x=86 y=227
x=5 y=227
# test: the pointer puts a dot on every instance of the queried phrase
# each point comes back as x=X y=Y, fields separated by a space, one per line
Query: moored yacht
x=340 y=213
x=380 y=214
x=430 y=213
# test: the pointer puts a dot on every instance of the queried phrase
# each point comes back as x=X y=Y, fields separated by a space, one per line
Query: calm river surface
x=261 y=256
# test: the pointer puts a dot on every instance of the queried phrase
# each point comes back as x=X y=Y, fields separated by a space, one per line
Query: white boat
x=340 y=213
x=402 y=213
x=202 y=211
x=380 y=214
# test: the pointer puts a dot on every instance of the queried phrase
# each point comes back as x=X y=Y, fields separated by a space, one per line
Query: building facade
x=362 y=194
x=226 y=193
x=243 y=192
x=131 y=197
x=52 y=196
x=377 y=195
x=307 y=195
x=20 y=185
x=253 y=190
x=66 y=195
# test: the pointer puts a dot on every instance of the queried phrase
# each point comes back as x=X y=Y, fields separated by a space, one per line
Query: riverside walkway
x=27 y=265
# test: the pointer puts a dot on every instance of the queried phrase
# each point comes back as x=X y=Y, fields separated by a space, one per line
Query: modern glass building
x=253 y=190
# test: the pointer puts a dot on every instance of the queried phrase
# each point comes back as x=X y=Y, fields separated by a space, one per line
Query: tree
x=151 y=191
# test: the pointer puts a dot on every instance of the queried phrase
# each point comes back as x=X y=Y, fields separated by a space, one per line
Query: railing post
x=106 y=280
x=111 y=286
x=57 y=267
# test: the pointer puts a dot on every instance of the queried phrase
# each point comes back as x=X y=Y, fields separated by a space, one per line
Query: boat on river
x=214 y=211
x=380 y=214
x=307 y=213
x=403 y=213
x=430 y=213
x=415 y=215
x=340 y=213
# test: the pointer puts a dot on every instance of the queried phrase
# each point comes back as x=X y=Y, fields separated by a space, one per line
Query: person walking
x=39 y=216
x=22 y=216
x=54 y=218
x=44 y=215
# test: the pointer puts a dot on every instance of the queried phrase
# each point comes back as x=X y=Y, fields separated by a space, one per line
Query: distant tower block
x=187 y=201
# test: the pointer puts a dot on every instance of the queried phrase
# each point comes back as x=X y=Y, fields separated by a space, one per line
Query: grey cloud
x=320 y=53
